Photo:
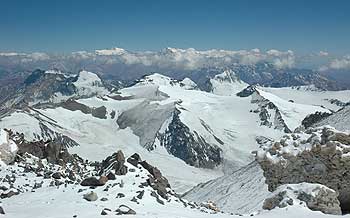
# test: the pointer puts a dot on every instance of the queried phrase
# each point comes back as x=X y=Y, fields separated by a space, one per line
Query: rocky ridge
x=318 y=155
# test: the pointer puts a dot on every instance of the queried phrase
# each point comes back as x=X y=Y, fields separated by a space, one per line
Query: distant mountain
x=53 y=86
x=264 y=69
x=266 y=74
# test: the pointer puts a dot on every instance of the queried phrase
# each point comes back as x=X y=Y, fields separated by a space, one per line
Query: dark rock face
x=188 y=146
x=92 y=181
x=114 y=164
x=2 y=210
x=247 y=91
x=265 y=109
x=52 y=151
x=49 y=134
x=73 y=105
x=311 y=119
x=327 y=162
x=134 y=159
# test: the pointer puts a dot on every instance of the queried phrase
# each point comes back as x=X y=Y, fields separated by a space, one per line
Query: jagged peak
x=227 y=75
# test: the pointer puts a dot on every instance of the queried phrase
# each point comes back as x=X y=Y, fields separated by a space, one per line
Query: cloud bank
x=188 y=59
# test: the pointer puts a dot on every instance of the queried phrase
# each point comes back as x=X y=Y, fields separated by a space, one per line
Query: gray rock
x=123 y=209
x=92 y=196
x=2 y=210
x=91 y=181
x=56 y=175
x=324 y=164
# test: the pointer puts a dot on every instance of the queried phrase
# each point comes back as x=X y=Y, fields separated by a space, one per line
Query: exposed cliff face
x=189 y=146
x=269 y=113
x=340 y=120
x=314 y=118
x=319 y=155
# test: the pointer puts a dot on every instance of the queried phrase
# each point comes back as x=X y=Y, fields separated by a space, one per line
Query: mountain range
x=207 y=136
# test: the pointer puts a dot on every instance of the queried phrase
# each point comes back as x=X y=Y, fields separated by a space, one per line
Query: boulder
x=92 y=196
x=56 y=175
x=2 y=210
x=111 y=176
x=91 y=181
x=123 y=209
x=8 y=148
x=134 y=159
x=103 y=180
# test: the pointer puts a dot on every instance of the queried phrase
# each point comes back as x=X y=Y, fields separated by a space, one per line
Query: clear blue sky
x=71 y=25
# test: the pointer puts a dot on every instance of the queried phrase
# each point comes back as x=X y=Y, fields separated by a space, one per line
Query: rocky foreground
x=305 y=169
x=125 y=183
x=318 y=155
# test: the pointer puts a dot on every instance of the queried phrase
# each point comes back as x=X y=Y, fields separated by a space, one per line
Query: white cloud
x=192 y=59
x=323 y=53
x=172 y=57
x=343 y=63
x=36 y=56
x=286 y=62
x=11 y=54
x=337 y=64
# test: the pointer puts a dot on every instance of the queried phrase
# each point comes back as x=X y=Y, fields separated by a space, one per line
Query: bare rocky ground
x=318 y=155
x=39 y=164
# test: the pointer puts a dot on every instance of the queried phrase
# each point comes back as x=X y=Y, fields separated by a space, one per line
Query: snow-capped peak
x=156 y=79
x=226 y=83
x=187 y=83
x=88 y=84
x=161 y=80
x=113 y=51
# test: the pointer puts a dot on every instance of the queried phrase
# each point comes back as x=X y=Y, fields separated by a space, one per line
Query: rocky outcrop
x=8 y=148
x=189 y=146
x=114 y=164
x=314 y=196
x=157 y=181
x=320 y=155
x=339 y=120
x=52 y=151
x=312 y=119
x=247 y=91
x=269 y=114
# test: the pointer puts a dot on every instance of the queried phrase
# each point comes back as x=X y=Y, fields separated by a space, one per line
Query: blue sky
x=64 y=26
